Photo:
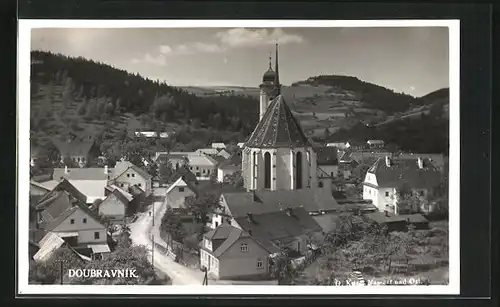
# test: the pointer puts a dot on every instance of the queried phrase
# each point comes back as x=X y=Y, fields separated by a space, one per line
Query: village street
x=140 y=234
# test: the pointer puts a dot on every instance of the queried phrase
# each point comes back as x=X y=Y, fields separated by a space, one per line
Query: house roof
x=371 y=142
x=356 y=143
x=55 y=205
x=381 y=218
x=65 y=185
x=265 y=201
x=186 y=175
x=278 y=128
x=51 y=225
x=207 y=151
x=123 y=166
x=48 y=245
x=230 y=235
x=135 y=191
x=219 y=159
x=218 y=145
x=359 y=156
x=405 y=171
x=202 y=160
x=181 y=183
x=75 y=147
x=326 y=155
x=278 y=225
x=437 y=159
x=112 y=188
x=234 y=160
x=92 y=173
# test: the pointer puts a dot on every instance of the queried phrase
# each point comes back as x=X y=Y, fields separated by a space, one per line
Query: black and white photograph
x=230 y=156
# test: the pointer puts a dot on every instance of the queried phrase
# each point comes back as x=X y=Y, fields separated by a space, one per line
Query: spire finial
x=270 y=65
x=277 y=85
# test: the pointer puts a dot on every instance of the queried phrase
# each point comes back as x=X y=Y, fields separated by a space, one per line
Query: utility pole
x=153 y=251
x=153 y=213
x=205 y=279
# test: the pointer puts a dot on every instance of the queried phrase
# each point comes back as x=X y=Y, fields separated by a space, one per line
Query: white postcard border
x=23 y=149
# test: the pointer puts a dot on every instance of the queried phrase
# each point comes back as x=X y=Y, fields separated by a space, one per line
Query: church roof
x=278 y=128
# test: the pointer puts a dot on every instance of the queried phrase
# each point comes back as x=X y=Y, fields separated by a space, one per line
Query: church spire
x=270 y=64
x=277 y=85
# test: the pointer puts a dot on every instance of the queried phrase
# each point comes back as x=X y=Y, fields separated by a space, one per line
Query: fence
x=177 y=252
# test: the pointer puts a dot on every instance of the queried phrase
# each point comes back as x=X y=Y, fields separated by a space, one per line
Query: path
x=140 y=231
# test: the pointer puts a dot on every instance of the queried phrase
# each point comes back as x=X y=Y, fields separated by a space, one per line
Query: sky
x=413 y=60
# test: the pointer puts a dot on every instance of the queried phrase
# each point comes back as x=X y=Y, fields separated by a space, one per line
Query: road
x=140 y=231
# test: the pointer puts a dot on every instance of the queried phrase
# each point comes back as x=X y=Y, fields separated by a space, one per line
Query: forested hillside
x=114 y=91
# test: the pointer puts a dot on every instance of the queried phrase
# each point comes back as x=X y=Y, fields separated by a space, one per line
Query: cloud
x=242 y=37
x=233 y=38
x=159 y=60
x=191 y=48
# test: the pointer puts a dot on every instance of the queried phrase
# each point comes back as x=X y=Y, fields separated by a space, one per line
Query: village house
x=218 y=145
x=397 y=222
x=66 y=214
x=114 y=206
x=80 y=150
x=338 y=145
x=241 y=144
x=375 y=144
x=151 y=134
x=355 y=145
x=125 y=175
x=438 y=160
x=50 y=244
x=178 y=191
x=327 y=160
x=89 y=181
x=223 y=153
x=207 y=151
x=228 y=252
x=229 y=166
x=386 y=176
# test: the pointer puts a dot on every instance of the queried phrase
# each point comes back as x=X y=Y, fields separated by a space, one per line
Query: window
x=331 y=174
x=197 y=168
x=128 y=175
x=96 y=235
x=72 y=221
x=203 y=171
x=133 y=175
x=181 y=189
x=298 y=171
x=84 y=220
x=260 y=264
x=267 y=170
x=121 y=185
x=422 y=193
x=320 y=184
x=83 y=159
x=244 y=247
x=216 y=224
x=140 y=184
x=208 y=172
x=387 y=194
x=78 y=159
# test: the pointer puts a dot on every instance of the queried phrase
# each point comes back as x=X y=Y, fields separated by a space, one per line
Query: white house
x=339 y=145
x=82 y=229
x=375 y=143
x=218 y=145
x=207 y=151
x=223 y=153
x=176 y=194
x=202 y=166
x=225 y=170
x=386 y=176
x=91 y=182
x=241 y=145
x=126 y=174
x=151 y=134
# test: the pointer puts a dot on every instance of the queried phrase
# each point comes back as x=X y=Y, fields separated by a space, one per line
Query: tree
x=359 y=172
x=165 y=170
x=200 y=206
x=409 y=202
x=69 y=163
x=282 y=268
x=235 y=179
x=172 y=224
x=124 y=240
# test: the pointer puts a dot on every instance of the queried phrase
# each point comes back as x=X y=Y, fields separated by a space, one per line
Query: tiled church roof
x=278 y=128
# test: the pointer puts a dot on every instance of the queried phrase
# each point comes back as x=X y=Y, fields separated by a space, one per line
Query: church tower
x=266 y=89
x=278 y=155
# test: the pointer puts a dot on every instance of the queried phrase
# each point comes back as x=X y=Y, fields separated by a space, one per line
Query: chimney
x=250 y=231
x=420 y=162
x=65 y=169
x=387 y=161
x=106 y=169
x=288 y=211
x=386 y=213
x=249 y=217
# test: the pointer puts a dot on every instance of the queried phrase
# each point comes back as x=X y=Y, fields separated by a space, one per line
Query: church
x=278 y=155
